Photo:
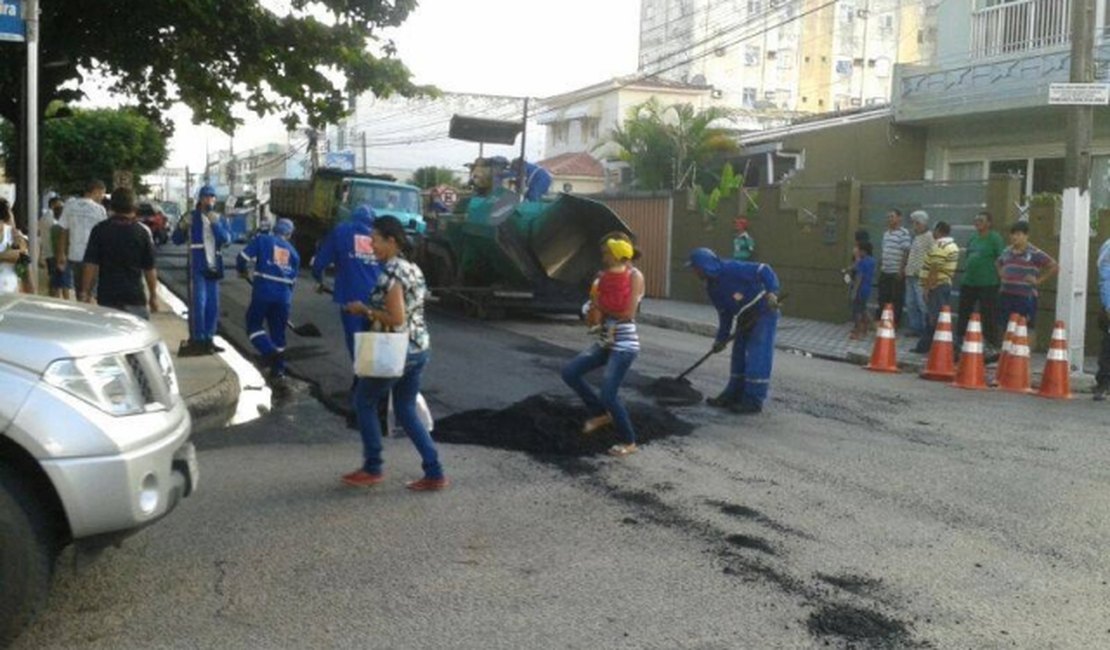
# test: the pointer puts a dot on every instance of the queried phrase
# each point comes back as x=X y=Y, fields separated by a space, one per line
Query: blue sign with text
x=11 y=21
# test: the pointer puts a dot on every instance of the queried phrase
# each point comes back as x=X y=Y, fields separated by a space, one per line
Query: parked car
x=173 y=213
x=94 y=439
x=154 y=218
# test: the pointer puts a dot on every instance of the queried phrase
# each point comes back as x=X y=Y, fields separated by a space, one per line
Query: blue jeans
x=753 y=354
x=369 y=393
x=352 y=323
x=939 y=296
x=616 y=363
x=1009 y=303
x=917 y=312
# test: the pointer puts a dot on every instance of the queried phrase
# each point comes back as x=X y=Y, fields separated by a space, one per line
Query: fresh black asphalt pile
x=671 y=391
x=546 y=426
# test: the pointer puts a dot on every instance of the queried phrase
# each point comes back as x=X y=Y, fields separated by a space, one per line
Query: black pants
x=892 y=290
x=987 y=300
x=1103 y=376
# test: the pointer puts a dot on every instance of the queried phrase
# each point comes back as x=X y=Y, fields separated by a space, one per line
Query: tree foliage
x=668 y=145
x=429 y=177
x=212 y=55
x=90 y=144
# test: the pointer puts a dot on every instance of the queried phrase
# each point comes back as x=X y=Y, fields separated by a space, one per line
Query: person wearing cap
x=206 y=236
x=537 y=180
x=743 y=245
x=980 y=283
x=275 y=263
x=349 y=248
x=616 y=297
x=1102 y=379
x=916 y=310
x=733 y=286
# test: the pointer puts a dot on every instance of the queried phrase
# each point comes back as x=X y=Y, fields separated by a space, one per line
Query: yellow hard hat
x=620 y=249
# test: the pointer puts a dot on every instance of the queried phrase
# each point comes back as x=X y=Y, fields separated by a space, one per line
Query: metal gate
x=956 y=202
x=649 y=217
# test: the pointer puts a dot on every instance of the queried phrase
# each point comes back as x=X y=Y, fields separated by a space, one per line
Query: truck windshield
x=385 y=199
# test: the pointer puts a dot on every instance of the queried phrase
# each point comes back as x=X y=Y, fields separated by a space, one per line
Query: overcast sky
x=504 y=47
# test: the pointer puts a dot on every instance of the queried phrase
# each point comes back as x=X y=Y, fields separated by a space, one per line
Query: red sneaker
x=428 y=484
x=362 y=479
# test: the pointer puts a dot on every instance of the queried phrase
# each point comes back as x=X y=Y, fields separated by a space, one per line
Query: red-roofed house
x=578 y=172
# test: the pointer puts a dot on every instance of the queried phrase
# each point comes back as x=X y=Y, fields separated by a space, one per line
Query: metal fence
x=650 y=219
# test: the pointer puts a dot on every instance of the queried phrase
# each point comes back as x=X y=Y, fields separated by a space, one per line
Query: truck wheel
x=26 y=556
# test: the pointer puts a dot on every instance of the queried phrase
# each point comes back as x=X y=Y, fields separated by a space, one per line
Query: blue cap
x=706 y=261
x=283 y=228
x=364 y=213
x=206 y=190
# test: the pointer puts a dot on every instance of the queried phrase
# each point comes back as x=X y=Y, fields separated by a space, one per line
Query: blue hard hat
x=706 y=261
x=283 y=228
x=206 y=190
x=364 y=213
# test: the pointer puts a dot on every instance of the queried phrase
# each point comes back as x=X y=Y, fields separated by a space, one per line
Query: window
x=590 y=129
x=886 y=23
x=749 y=98
x=783 y=97
x=560 y=132
x=965 y=171
x=771 y=54
x=882 y=67
x=786 y=60
x=751 y=55
x=754 y=7
x=844 y=67
x=1048 y=175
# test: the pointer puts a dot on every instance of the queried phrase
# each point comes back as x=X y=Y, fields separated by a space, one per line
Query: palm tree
x=667 y=145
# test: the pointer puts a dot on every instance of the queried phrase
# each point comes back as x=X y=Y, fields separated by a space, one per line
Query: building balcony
x=1012 y=52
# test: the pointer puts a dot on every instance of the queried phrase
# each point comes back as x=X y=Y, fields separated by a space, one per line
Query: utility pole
x=31 y=127
x=232 y=174
x=362 y=138
x=520 y=175
x=188 y=186
x=1075 y=228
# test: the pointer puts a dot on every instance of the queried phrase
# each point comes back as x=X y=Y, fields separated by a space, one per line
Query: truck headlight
x=165 y=363
x=105 y=382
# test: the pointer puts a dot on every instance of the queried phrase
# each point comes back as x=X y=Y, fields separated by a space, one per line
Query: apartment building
x=808 y=56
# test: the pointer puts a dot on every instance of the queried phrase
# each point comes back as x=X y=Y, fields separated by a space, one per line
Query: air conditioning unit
x=717 y=93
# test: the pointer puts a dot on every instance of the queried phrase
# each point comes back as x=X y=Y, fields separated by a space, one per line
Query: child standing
x=863 y=274
x=743 y=245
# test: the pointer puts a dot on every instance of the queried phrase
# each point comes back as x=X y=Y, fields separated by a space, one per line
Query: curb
x=213 y=407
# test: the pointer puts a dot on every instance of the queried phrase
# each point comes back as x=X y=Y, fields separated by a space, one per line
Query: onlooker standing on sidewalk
x=743 y=245
x=12 y=249
x=936 y=280
x=119 y=255
x=1022 y=268
x=78 y=218
x=1102 y=387
x=916 y=310
x=863 y=274
x=61 y=282
x=980 y=282
x=896 y=246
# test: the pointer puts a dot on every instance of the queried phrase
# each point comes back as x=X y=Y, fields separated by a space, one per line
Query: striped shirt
x=922 y=244
x=1020 y=269
x=620 y=336
x=942 y=258
x=895 y=244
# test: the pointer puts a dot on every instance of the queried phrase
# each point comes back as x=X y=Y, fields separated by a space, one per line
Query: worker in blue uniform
x=732 y=285
x=348 y=247
x=537 y=180
x=275 y=263
x=206 y=235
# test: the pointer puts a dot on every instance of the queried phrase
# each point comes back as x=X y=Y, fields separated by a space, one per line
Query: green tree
x=429 y=177
x=667 y=146
x=303 y=65
x=89 y=144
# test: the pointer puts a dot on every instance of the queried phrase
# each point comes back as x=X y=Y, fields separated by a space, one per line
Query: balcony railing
x=1019 y=26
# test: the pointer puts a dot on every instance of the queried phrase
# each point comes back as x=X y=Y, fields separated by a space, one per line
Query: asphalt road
x=898 y=512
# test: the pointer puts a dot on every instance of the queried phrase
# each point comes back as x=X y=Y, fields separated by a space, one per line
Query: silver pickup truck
x=94 y=439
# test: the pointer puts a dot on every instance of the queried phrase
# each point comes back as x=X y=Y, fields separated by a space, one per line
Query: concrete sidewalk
x=210 y=387
x=810 y=337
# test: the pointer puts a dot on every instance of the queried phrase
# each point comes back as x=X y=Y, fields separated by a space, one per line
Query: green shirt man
x=979 y=286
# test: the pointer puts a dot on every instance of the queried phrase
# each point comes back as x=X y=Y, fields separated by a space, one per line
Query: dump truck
x=497 y=252
x=315 y=206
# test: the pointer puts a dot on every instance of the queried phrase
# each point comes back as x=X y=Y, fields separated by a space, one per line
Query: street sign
x=1079 y=94
x=344 y=160
x=12 y=27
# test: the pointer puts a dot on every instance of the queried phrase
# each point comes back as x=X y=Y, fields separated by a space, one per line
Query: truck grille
x=136 y=362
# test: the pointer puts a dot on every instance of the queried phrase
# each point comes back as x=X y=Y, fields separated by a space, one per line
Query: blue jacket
x=275 y=267
x=220 y=234
x=731 y=284
x=347 y=246
x=1104 y=274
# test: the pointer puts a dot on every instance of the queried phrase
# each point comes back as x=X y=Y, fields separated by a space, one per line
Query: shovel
x=677 y=391
x=307 y=330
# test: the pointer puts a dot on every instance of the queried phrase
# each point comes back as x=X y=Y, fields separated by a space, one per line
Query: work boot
x=722 y=401
x=1100 y=392
x=212 y=348
x=746 y=408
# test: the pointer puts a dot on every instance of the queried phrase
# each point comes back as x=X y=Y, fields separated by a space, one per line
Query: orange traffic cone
x=1014 y=377
x=884 y=353
x=941 y=365
x=972 y=371
x=1056 y=378
x=1007 y=345
x=888 y=313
